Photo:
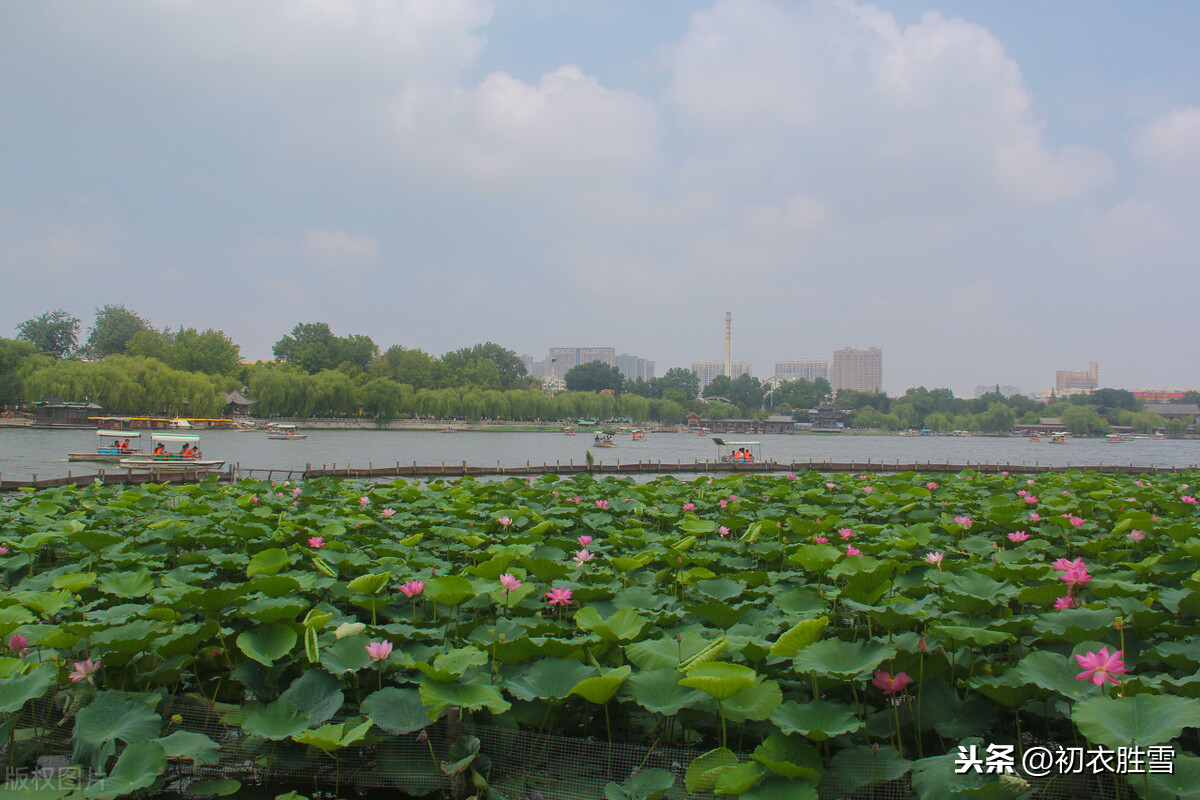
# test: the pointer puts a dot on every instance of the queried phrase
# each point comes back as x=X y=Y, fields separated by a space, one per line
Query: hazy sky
x=987 y=191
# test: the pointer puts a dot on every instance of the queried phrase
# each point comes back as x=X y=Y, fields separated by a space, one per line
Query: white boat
x=162 y=458
x=111 y=446
x=285 y=432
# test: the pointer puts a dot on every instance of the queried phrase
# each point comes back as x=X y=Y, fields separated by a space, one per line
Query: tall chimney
x=728 y=350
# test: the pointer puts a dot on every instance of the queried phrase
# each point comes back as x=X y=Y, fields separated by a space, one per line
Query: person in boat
x=116 y=445
x=125 y=448
x=160 y=450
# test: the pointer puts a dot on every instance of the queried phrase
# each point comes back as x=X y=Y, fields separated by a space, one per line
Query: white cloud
x=340 y=250
x=1171 y=141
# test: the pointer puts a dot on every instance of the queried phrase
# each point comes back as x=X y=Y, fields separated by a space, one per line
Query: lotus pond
x=800 y=636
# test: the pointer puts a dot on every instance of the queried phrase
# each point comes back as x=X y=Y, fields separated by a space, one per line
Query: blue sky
x=987 y=191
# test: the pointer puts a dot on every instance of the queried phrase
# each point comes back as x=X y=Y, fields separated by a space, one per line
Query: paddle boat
x=737 y=452
x=280 y=431
x=171 y=452
x=111 y=446
x=638 y=435
x=604 y=440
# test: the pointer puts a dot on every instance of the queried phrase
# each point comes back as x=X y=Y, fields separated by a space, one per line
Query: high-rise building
x=632 y=367
x=860 y=370
x=562 y=359
x=809 y=369
x=707 y=370
x=1077 y=381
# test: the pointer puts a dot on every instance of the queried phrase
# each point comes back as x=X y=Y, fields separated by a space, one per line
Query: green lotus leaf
x=395 y=710
x=601 y=688
x=110 y=717
x=843 y=660
x=666 y=651
x=1182 y=655
x=801 y=635
x=550 y=679
x=976 y=637
x=267 y=610
x=739 y=779
x=818 y=720
x=938 y=778
x=268 y=562
x=372 y=583
x=815 y=557
x=437 y=697
x=754 y=702
x=195 y=747
x=856 y=767
x=137 y=768
x=74 y=582
x=316 y=694
x=1049 y=670
x=720 y=614
x=449 y=590
x=720 y=680
x=464 y=751
x=276 y=721
x=649 y=784
x=720 y=588
x=703 y=772
x=333 y=737
x=47 y=604
x=18 y=689
x=450 y=666
x=1076 y=624
x=1139 y=720
x=1008 y=689
x=545 y=570
x=628 y=564
x=781 y=789
x=272 y=585
x=623 y=626
x=954 y=717
x=789 y=758
x=128 y=584
x=658 y=691
x=218 y=788
x=1181 y=782
x=269 y=643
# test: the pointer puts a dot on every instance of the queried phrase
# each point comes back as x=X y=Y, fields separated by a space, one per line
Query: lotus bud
x=921 y=646
x=1119 y=623
x=422 y=737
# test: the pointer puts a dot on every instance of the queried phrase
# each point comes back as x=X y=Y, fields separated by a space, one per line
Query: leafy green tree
x=801 y=394
x=1177 y=428
x=14 y=355
x=720 y=386
x=115 y=325
x=998 y=417
x=747 y=393
x=684 y=381
x=413 y=367
x=384 y=399
x=210 y=352
x=1084 y=421
x=509 y=371
x=54 y=333
x=1191 y=397
x=852 y=399
x=152 y=344
x=593 y=376
x=313 y=347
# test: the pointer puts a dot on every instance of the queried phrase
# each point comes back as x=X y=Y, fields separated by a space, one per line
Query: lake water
x=25 y=452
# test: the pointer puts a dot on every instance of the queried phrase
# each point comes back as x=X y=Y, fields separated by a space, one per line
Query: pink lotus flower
x=575 y=499
x=891 y=685
x=931 y=485
x=255 y=500
x=3 y=550
x=559 y=597
x=582 y=557
x=1004 y=473
x=584 y=540
x=364 y=501
x=1136 y=535
x=935 y=559
x=412 y=588
x=964 y=521
x=84 y=670
x=19 y=645
x=1187 y=498
x=830 y=485
x=388 y=512
x=868 y=489
x=316 y=542
x=820 y=539
x=1074 y=520
x=1018 y=536
x=1074 y=573
x=724 y=531
x=379 y=651
x=1064 y=603
x=1031 y=499
x=509 y=582
x=845 y=533
x=723 y=503
x=1035 y=516
x=1101 y=667
x=601 y=504
x=505 y=522
x=792 y=475
x=296 y=492
x=853 y=551
x=689 y=506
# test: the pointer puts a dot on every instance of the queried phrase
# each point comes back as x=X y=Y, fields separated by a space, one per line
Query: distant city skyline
x=988 y=192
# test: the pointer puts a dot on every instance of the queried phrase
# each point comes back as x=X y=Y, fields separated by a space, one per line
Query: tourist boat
x=279 y=431
x=244 y=426
x=1118 y=437
x=604 y=440
x=1058 y=438
x=737 y=452
x=110 y=446
x=568 y=431
x=168 y=461
x=638 y=435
